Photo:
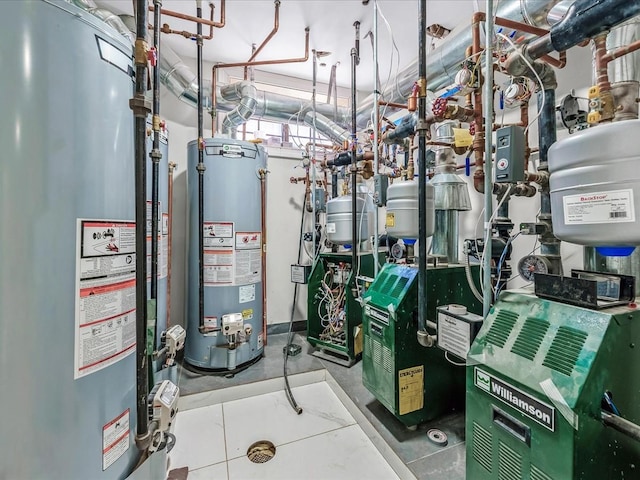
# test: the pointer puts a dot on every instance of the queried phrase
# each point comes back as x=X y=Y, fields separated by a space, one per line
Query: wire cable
x=287 y=387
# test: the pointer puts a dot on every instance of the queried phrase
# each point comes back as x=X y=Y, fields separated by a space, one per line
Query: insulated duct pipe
x=584 y=20
x=201 y=169
x=140 y=107
x=443 y=63
x=245 y=94
x=313 y=156
x=156 y=156
x=422 y=172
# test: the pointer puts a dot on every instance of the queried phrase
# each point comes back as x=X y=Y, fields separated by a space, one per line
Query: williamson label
x=536 y=410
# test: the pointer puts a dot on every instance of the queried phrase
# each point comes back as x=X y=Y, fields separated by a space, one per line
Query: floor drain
x=261 y=452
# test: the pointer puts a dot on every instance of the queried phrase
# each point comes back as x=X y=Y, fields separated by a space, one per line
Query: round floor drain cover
x=261 y=452
x=438 y=437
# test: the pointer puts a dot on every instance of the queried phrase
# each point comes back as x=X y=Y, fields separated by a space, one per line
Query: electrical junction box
x=300 y=273
x=380 y=185
x=457 y=328
x=232 y=323
x=163 y=404
x=510 y=153
x=320 y=200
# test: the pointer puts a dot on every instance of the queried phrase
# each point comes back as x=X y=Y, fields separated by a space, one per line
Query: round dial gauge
x=531 y=264
x=397 y=251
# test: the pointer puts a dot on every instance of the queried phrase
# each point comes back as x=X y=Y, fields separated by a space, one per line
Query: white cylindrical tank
x=595 y=185
x=402 y=209
x=339 y=220
x=67 y=255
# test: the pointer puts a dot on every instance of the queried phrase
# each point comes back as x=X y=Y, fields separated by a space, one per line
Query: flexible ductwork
x=442 y=65
x=245 y=95
x=107 y=17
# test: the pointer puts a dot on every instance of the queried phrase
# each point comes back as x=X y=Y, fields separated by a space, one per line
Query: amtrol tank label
x=105 y=323
x=533 y=408
x=615 y=206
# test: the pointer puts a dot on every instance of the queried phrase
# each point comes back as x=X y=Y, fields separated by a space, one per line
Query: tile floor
x=324 y=442
x=422 y=458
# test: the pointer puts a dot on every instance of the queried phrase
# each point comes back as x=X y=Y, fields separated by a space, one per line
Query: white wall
x=284 y=204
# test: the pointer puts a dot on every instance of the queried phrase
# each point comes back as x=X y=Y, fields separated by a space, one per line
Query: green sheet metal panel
x=539 y=356
x=415 y=383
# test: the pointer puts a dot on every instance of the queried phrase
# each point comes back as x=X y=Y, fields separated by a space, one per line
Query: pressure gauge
x=531 y=264
x=398 y=251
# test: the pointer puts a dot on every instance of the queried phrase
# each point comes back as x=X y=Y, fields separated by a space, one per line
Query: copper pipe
x=193 y=19
x=166 y=28
x=392 y=105
x=276 y=25
x=478 y=140
x=263 y=220
x=172 y=167
x=559 y=62
x=463 y=166
x=524 y=27
x=214 y=72
x=622 y=51
x=601 y=65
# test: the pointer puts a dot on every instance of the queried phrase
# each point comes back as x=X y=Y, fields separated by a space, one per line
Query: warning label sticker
x=246 y=293
x=615 y=206
x=454 y=335
x=105 y=315
x=115 y=439
x=218 y=234
x=411 y=387
x=248 y=240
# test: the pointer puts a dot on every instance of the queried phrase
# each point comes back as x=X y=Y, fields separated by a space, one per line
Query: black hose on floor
x=287 y=389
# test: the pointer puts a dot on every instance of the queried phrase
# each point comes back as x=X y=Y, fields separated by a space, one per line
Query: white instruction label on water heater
x=615 y=206
x=246 y=293
x=105 y=303
x=331 y=228
x=115 y=439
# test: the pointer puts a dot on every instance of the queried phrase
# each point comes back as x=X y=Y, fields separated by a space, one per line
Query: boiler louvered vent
x=501 y=327
x=509 y=464
x=565 y=350
x=397 y=290
x=531 y=335
x=482 y=447
x=537 y=474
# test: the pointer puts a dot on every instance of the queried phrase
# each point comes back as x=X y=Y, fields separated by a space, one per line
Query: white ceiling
x=331 y=22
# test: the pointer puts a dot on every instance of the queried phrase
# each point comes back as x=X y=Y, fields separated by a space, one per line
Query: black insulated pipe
x=355 y=237
x=584 y=20
x=156 y=155
x=141 y=108
x=550 y=245
x=201 y=169
x=622 y=425
x=422 y=167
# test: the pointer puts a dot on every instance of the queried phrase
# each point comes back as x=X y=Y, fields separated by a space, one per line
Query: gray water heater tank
x=233 y=243
x=595 y=185
x=67 y=255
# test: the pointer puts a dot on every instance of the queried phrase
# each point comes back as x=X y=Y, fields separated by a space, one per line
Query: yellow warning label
x=391 y=220
x=462 y=137
x=411 y=386
x=247 y=314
